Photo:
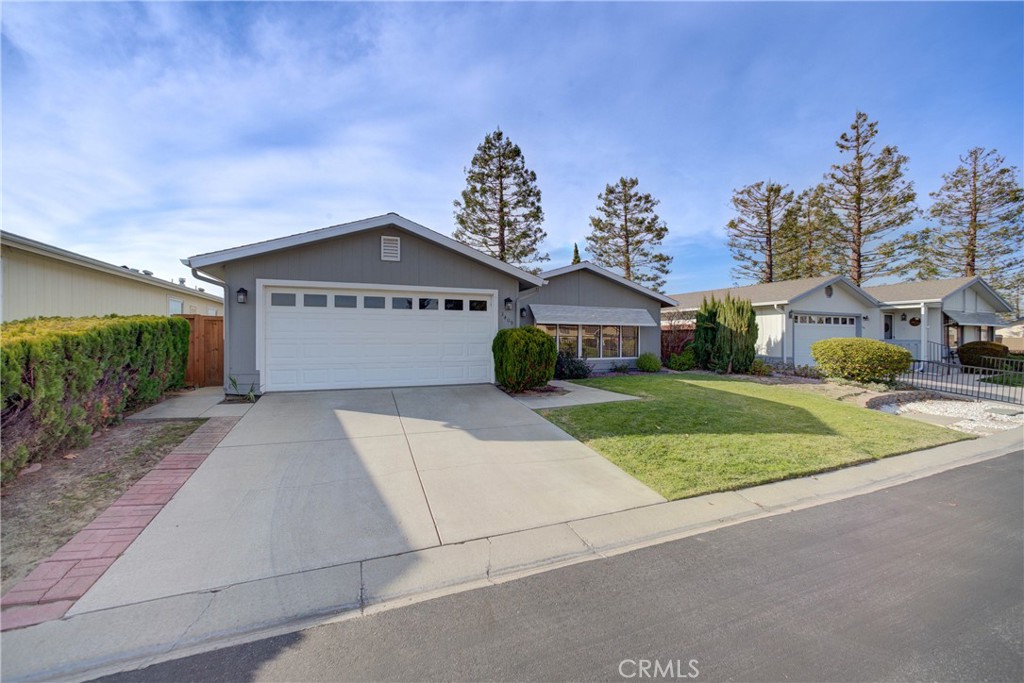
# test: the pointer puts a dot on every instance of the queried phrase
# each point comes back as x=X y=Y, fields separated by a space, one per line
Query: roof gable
x=200 y=261
x=771 y=293
x=607 y=274
x=930 y=291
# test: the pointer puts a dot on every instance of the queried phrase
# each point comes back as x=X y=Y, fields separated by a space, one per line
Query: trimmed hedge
x=62 y=378
x=648 y=362
x=974 y=353
x=683 y=361
x=860 y=360
x=524 y=358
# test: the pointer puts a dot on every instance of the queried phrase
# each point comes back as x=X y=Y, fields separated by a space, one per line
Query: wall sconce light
x=242 y=295
x=508 y=303
x=903 y=317
x=522 y=312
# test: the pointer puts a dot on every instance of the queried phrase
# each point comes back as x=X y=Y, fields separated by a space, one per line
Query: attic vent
x=828 y=291
x=390 y=248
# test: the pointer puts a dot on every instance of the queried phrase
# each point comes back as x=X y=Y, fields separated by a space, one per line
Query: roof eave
x=200 y=261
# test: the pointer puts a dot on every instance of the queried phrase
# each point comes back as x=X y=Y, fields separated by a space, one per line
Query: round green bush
x=860 y=360
x=648 y=362
x=975 y=353
x=524 y=358
x=683 y=361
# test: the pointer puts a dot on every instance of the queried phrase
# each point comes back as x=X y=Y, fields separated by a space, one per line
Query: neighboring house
x=597 y=315
x=387 y=302
x=793 y=314
x=927 y=318
x=40 y=280
x=932 y=316
x=1012 y=335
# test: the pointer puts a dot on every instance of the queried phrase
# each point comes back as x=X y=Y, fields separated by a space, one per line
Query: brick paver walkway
x=54 y=586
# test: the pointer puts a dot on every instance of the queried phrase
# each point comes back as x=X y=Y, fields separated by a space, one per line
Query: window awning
x=975 y=319
x=591 y=315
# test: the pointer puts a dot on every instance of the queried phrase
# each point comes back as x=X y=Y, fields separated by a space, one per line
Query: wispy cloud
x=143 y=133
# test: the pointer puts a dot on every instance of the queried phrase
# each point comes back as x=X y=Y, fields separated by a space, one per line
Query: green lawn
x=694 y=434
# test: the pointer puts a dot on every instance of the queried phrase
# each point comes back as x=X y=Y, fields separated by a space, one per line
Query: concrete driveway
x=317 y=479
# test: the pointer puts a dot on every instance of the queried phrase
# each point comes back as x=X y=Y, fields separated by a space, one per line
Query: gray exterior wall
x=583 y=288
x=352 y=258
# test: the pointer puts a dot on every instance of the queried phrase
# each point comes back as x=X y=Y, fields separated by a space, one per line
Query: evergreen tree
x=979 y=231
x=807 y=245
x=735 y=336
x=500 y=212
x=575 y=253
x=870 y=197
x=623 y=237
x=704 y=334
x=753 y=233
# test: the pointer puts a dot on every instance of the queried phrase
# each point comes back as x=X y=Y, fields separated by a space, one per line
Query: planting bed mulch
x=46 y=505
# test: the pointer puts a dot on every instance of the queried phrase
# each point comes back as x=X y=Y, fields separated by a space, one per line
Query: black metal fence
x=1002 y=380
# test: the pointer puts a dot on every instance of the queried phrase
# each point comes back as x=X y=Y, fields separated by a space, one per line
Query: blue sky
x=144 y=133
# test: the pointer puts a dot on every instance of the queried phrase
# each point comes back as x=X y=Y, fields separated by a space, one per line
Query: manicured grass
x=695 y=434
x=1005 y=380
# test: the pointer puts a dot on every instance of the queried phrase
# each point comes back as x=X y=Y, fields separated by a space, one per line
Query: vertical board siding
x=38 y=286
x=205 y=351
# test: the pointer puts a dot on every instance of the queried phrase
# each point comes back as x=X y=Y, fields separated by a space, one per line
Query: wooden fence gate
x=205 y=351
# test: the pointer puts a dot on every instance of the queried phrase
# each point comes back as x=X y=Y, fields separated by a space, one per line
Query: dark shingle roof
x=925 y=290
x=770 y=293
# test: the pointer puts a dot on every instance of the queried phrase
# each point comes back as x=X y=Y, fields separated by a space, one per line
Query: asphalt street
x=924 y=581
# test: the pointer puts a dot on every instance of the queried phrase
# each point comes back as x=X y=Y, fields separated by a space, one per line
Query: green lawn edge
x=692 y=434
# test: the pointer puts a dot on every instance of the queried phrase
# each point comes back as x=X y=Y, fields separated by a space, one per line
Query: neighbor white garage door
x=337 y=338
x=808 y=329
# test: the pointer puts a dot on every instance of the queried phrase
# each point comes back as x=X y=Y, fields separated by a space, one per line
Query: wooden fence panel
x=205 y=351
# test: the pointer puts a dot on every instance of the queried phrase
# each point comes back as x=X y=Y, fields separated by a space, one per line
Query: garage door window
x=825 y=320
x=344 y=301
x=282 y=299
x=428 y=304
x=453 y=304
x=401 y=303
x=373 y=302
x=477 y=305
x=314 y=300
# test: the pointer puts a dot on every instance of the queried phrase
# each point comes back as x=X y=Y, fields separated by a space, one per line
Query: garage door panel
x=328 y=347
x=808 y=329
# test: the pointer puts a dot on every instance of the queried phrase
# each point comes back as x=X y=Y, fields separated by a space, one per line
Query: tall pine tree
x=753 y=233
x=627 y=231
x=980 y=231
x=807 y=245
x=870 y=197
x=575 y=253
x=500 y=212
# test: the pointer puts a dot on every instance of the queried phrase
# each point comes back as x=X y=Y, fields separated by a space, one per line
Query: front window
x=591 y=341
x=175 y=306
x=610 y=341
x=629 y=342
x=569 y=338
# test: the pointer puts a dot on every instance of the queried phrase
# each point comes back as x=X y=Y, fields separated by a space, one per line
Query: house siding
x=349 y=259
x=35 y=285
x=771 y=330
x=584 y=288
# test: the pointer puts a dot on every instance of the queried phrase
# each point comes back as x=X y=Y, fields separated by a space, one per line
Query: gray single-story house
x=929 y=318
x=387 y=302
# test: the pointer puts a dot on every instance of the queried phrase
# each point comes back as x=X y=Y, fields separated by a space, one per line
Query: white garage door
x=808 y=329
x=336 y=338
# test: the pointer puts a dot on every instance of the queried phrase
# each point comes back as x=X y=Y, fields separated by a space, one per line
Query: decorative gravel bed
x=977 y=417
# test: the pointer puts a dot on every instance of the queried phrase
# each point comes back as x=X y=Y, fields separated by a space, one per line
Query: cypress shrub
x=735 y=336
x=62 y=378
x=524 y=358
x=704 y=334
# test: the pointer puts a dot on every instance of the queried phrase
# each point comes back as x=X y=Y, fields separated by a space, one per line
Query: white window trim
x=263 y=284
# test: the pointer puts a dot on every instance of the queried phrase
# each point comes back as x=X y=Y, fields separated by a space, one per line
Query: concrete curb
x=96 y=643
